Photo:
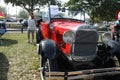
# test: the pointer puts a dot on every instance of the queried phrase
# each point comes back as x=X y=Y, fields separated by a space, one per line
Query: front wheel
x=47 y=65
x=42 y=67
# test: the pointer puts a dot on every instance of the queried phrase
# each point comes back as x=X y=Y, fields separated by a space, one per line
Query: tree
x=3 y=9
x=23 y=14
x=107 y=10
x=89 y=6
x=30 y=5
x=103 y=9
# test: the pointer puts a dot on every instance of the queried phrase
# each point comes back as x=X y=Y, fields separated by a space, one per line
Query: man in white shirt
x=31 y=27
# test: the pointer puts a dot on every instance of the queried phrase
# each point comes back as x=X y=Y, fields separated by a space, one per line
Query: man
x=31 y=26
x=117 y=30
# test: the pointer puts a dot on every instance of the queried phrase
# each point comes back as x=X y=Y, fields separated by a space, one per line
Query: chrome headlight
x=69 y=37
x=107 y=35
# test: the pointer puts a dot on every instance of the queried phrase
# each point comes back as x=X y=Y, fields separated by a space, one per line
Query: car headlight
x=69 y=37
x=107 y=35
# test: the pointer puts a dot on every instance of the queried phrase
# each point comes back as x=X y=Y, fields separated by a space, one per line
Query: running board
x=83 y=74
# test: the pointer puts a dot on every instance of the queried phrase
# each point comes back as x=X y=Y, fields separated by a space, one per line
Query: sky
x=13 y=10
x=64 y=0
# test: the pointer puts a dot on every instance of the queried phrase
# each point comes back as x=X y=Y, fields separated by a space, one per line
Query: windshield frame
x=49 y=13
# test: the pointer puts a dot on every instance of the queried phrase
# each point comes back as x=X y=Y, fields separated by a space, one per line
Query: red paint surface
x=60 y=26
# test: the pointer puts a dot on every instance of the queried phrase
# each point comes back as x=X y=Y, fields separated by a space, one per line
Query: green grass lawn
x=18 y=59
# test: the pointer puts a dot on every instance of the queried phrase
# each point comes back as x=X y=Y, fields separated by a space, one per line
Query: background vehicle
x=9 y=19
x=70 y=50
x=2 y=24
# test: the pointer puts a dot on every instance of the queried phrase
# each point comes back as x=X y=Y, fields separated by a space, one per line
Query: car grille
x=85 y=44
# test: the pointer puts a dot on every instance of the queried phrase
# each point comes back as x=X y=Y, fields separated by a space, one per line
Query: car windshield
x=69 y=14
x=56 y=13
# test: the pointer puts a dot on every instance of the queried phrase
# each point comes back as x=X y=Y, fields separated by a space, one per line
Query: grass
x=18 y=59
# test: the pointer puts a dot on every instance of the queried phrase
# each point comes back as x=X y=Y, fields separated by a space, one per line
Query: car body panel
x=60 y=26
x=44 y=28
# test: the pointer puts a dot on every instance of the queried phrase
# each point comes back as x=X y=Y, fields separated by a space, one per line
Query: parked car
x=2 y=27
x=69 y=48
x=9 y=19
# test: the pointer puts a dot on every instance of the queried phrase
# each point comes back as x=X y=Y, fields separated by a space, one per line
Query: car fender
x=48 y=48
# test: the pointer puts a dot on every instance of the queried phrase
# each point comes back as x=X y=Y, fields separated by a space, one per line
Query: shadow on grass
x=4 y=67
x=7 y=42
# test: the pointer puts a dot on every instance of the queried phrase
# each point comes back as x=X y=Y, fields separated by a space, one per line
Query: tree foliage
x=23 y=14
x=30 y=5
x=103 y=9
x=3 y=9
x=107 y=10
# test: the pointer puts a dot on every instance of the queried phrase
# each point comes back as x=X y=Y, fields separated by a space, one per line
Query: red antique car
x=69 y=48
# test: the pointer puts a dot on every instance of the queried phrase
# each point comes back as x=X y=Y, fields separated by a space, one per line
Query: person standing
x=117 y=30
x=31 y=27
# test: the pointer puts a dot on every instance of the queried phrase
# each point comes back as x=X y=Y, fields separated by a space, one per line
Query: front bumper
x=83 y=74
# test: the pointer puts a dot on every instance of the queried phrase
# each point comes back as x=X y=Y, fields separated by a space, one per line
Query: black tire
x=42 y=67
x=38 y=36
x=47 y=65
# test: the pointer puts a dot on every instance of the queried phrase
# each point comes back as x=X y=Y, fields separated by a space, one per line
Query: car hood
x=61 y=26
